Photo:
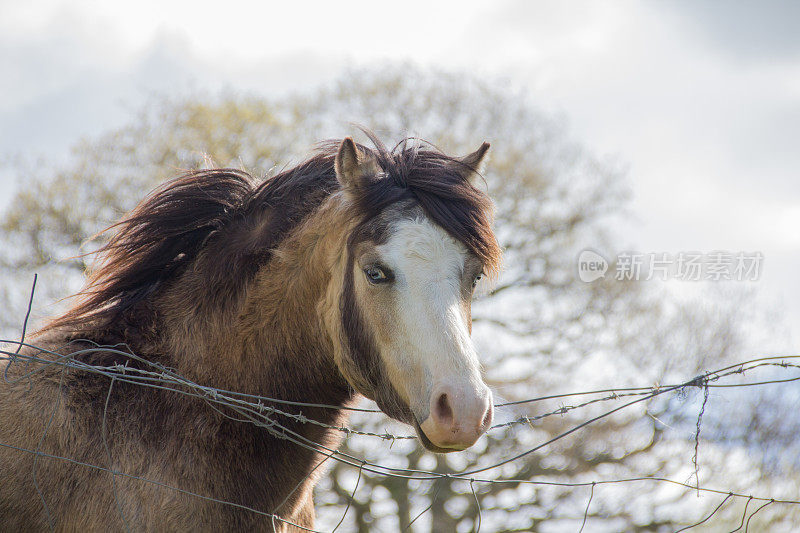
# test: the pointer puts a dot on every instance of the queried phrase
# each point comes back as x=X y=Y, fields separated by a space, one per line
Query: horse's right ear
x=473 y=165
x=353 y=166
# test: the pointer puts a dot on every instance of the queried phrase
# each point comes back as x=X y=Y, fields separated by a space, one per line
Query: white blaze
x=431 y=340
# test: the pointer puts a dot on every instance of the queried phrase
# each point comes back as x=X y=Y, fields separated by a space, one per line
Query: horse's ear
x=353 y=166
x=473 y=165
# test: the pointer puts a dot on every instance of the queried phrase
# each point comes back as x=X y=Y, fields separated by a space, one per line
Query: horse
x=350 y=274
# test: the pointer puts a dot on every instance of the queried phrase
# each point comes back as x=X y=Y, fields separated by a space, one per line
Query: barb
x=728 y=370
x=257 y=413
x=272 y=413
x=164 y=378
x=168 y=380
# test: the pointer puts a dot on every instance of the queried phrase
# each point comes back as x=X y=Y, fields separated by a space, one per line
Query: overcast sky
x=701 y=100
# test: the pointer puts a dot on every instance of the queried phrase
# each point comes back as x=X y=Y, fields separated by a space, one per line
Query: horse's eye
x=376 y=274
x=476 y=279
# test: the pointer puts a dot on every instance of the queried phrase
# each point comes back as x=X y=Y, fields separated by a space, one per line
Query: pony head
x=420 y=241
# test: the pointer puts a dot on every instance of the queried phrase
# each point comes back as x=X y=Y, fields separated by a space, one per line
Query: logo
x=591 y=266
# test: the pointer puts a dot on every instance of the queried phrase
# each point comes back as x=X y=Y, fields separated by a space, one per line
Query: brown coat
x=234 y=286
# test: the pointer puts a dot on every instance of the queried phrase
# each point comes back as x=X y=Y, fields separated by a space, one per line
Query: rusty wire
x=262 y=411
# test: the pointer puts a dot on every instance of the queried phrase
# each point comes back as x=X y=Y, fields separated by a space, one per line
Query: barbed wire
x=263 y=412
x=169 y=379
x=258 y=411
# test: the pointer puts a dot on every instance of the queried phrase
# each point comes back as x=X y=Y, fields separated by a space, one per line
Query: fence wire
x=267 y=413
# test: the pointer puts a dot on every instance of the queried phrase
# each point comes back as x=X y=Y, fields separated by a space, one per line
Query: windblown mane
x=163 y=236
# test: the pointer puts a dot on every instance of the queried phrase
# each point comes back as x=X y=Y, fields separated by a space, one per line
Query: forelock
x=420 y=175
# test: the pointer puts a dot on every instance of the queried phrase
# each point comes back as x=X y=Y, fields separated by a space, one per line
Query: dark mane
x=439 y=184
x=165 y=234
x=155 y=242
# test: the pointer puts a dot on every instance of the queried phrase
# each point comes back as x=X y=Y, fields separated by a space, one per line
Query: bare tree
x=542 y=330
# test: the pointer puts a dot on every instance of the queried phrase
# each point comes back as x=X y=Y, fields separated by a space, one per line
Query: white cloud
x=704 y=105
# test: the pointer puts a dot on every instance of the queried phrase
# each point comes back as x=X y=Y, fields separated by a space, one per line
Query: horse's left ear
x=353 y=166
x=473 y=165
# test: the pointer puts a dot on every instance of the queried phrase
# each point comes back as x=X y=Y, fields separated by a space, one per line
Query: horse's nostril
x=444 y=413
x=459 y=414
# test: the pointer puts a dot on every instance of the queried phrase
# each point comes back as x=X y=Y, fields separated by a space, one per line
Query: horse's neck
x=271 y=338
